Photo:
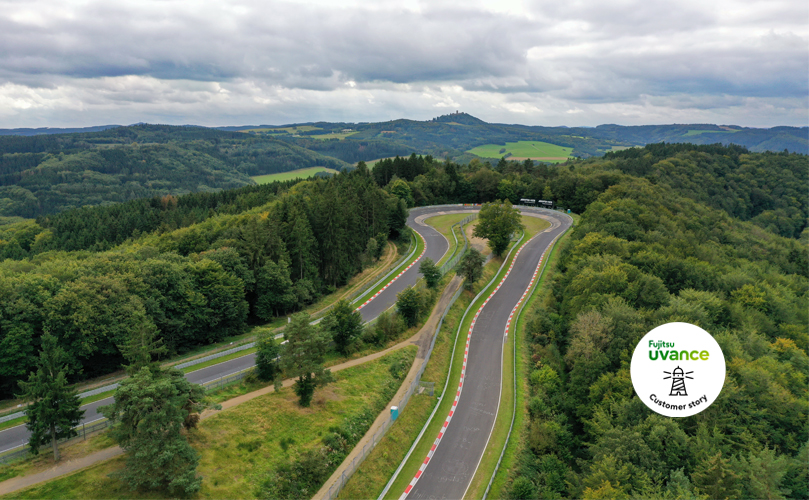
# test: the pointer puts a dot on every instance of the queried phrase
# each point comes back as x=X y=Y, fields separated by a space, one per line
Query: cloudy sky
x=546 y=62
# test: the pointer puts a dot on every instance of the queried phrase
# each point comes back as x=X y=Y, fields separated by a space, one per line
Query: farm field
x=292 y=174
x=279 y=130
x=372 y=163
x=333 y=135
x=691 y=133
x=521 y=150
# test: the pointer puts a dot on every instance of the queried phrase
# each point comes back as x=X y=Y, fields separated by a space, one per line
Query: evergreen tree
x=267 y=363
x=344 y=324
x=716 y=478
x=150 y=407
x=53 y=409
x=302 y=357
x=301 y=245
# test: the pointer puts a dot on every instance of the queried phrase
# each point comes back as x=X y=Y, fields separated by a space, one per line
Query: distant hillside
x=454 y=134
x=776 y=139
x=44 y=174
x=49 y=131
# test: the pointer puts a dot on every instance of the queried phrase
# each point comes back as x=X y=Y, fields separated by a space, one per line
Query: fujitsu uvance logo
x=678 y=369
x=674 y=355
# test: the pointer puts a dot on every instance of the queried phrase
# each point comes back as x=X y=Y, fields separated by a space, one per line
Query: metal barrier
x=457 y=256
x=220 y=382
x=83 y=430
x=417 y=387
x=242 y=347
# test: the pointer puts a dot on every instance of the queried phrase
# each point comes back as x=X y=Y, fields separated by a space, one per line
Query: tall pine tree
x=53 y=411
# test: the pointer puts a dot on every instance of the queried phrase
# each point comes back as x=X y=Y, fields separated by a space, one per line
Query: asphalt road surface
x=453 y=465
x=436 y=247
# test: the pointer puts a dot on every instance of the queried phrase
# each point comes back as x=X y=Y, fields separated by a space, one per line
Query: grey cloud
x=591 y=52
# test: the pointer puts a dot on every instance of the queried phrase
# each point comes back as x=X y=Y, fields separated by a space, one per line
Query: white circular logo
x=678 y=369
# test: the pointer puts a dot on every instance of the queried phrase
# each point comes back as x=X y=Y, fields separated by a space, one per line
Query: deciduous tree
x=497 y=221
x=431 y=273
x=407 y=304
x=471 y=267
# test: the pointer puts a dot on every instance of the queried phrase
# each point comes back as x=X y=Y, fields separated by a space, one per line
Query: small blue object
x=394 y=412
x=568 y=210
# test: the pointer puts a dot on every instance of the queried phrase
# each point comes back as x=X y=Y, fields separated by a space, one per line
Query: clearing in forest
x=301 y=173
x=521 y=150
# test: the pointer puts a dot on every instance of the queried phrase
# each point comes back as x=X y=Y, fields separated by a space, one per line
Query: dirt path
x=421 y=339
x=479 y=244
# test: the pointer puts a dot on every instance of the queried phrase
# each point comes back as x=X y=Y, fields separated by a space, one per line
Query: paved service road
x=436 y=247
x=450 y=471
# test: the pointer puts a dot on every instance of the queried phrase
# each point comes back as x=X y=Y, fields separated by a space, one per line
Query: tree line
x=197 y=284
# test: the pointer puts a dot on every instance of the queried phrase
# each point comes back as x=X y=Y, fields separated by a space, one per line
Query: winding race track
x=450 y=466
x=435 y=248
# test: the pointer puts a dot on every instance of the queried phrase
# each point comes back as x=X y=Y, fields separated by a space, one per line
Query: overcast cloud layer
x=572 y=62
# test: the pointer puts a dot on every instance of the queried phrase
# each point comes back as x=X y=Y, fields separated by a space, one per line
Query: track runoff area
x=450 y=465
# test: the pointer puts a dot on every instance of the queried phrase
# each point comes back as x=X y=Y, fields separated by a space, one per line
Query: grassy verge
x=240 y=447
x=443 y=224
x=369 y=274
x=13 y=423
x=44 y=460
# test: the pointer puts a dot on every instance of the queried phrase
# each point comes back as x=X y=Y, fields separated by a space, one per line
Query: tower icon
x=678 y=381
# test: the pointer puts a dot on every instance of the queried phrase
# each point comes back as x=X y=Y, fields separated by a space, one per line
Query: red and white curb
x=463 y=373
x=398 y=275
x=530 y=286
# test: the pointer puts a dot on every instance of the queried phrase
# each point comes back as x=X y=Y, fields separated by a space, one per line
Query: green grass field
x=524 y=149
x=302 y=173
x=700 y=132
x=241 y=446
x=279 y=130
x=334 y=135
x=443 y=224
x=372 y=163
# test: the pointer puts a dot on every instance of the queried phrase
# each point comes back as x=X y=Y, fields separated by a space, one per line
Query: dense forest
x=644 y=255
x=252 y=254
x=46 y=174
